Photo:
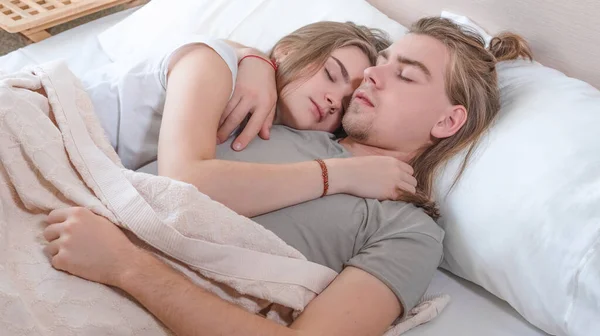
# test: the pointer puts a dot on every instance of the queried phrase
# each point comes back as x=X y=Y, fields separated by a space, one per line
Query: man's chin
x=354 y=107
x=356 y=128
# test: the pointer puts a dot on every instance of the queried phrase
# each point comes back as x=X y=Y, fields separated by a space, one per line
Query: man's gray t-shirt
x=394 y=241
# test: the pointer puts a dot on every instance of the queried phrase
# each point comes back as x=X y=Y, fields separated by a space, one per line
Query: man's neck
x=359 y=149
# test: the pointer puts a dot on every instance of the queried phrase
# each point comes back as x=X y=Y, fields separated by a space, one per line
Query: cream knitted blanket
x=54 y=154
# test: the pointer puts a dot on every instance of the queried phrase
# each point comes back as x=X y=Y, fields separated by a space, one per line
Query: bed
x=487 y=314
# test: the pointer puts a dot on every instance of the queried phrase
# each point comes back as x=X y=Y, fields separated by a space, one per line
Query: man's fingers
x=52 y=248
x=59 y=260
x=58 y=215
x=53 y=231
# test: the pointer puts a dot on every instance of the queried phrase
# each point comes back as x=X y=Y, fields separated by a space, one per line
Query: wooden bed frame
x=32 y=17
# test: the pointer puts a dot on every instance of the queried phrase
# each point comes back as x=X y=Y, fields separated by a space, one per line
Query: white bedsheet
x=472 y=310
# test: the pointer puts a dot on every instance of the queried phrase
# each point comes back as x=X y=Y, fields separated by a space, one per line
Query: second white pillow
x=256 y=23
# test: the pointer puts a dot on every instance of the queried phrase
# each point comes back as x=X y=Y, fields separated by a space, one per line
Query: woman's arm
x=199 y=84
x=253 y=189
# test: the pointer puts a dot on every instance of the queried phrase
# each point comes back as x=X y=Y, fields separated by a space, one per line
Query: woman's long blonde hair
x=471 y=81
x=308 y=48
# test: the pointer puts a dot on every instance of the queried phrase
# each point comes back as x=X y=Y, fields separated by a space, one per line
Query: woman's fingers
x=234 y=119
x=403 y=186
x=254 y=126
x=265 y=130
x=231 y=105
x=411 y=180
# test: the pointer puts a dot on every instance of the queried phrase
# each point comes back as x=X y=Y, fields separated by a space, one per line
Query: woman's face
x=319 y=102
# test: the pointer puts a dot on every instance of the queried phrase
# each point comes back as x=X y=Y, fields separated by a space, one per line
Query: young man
x=431 y=94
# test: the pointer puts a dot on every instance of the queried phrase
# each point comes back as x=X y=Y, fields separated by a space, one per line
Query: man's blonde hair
x=471 y=81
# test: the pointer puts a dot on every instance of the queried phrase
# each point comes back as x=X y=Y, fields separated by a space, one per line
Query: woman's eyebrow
x=343 y=68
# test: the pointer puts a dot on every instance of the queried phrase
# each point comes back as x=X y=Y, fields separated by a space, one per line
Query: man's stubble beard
x=355 y=127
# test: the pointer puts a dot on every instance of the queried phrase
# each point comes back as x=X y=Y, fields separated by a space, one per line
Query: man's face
x=402 y=102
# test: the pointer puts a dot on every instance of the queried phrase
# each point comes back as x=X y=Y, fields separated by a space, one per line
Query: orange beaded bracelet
x=325 y=176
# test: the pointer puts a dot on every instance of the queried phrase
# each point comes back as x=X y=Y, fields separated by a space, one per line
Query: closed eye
x=403 y=78
x=329 y=75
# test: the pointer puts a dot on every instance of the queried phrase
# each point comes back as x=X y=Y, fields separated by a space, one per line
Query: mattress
x=472 y=310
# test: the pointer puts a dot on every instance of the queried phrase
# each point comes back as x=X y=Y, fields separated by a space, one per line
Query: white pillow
x=524 y=220
x=256 y=23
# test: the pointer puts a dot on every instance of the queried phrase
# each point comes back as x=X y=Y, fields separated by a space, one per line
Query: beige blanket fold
x=54 y=154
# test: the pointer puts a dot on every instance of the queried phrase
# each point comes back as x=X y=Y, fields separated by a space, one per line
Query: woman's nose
x=333 y=103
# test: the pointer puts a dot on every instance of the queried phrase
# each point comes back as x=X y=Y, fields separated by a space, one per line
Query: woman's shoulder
x=165 y=56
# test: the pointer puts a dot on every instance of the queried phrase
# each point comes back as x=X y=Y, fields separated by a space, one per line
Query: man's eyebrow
x=344 y=70
x=412 y=62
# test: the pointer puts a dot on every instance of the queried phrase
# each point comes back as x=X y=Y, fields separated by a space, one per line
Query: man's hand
x=88 y=246
x=91 y=247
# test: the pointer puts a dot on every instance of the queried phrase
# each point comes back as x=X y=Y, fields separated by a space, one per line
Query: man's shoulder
x=402 y=218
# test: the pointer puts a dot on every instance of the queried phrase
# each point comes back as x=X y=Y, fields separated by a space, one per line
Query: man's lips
x=317 y=111
x=363 y=98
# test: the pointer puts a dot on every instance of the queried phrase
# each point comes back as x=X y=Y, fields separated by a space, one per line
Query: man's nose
x=371 y=76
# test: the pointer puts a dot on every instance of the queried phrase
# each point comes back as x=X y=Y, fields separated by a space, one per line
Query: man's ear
x=450 y=122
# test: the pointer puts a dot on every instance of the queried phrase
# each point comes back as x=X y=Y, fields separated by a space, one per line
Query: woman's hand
x=377 y=177
x=255 y=93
